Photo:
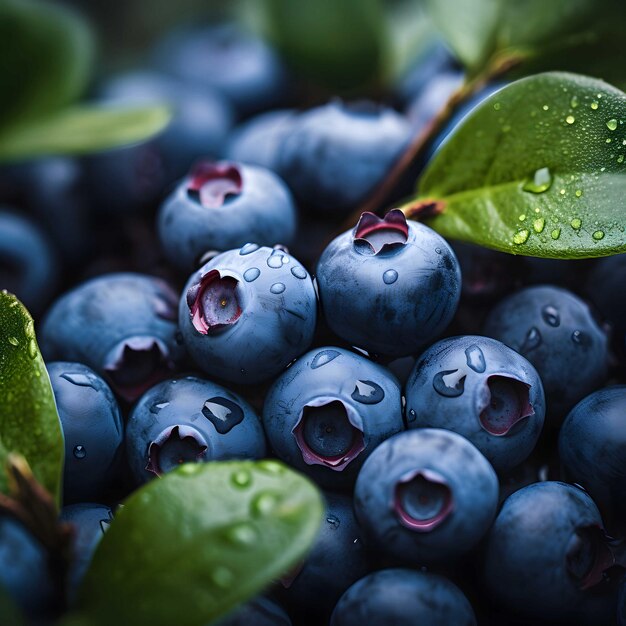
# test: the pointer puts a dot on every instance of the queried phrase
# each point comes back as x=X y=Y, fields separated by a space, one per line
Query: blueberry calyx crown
x=589 y=555
x=136 y=364
x=422 y=500
x=174 y=446
x=211 y=184
x=374 y=235
x=328 y=433
x=213 y=302
x=507 y=404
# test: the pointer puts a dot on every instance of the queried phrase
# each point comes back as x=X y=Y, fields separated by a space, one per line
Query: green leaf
x=576 y=35
x=83 y=129
x=562 y=132
x=339 y=44
x=8 y=611
x=29 y=423
x=187 y=548
x=46 y=60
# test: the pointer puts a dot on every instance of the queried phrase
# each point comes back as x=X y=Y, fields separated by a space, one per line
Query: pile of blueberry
x=463 y=411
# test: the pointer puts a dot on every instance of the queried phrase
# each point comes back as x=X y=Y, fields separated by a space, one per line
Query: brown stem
x=496 y=68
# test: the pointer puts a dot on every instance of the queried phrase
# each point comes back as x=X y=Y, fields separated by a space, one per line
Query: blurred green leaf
x=9 y=613
x=29 y=423
x=187 y=548
x=83 y=129
x=46 y=60
x=576 y=35
x=538 y=169
x=340 y=44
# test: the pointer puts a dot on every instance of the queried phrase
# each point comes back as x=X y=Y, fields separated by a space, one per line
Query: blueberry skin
x=403 y=597
x=537 y=553
x=89 y=521
x=24 y=569
x=274 y=310
x=259 y=208
x=201 y=120
x=336 y=154
x=258 y=141
x=556 y=332
x=190 y=419
x=392 y=302
x=28 y=263
x=425 y=496
x=621 y=604
x=372 y=412
x=257 y=612
x=337 y=560
x=122 y=325
x=592 y=447
x=92 y=429
x=228 y=59
x=483 y=390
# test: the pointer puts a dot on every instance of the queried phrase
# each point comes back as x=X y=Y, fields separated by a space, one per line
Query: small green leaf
x=538 y=169
x=187 y=548
x=575 y=35
x=47 y=54
x=340 y=45
x=83 y=129
x=29 y=423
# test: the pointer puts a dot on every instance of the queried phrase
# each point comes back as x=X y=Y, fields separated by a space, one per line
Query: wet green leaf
x=188 y=547
x=83 y=129
x=538 y=169
x=46 y=60
x=29 y=423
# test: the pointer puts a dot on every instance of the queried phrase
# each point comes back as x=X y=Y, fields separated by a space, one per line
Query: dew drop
x=594 y=105
x=449 y=383
x=248 y=249
x=620 y=158
x=475 y=359
x=580 y=338
x=573 y=102
x=570 y=119
x=608 y=140
x=79 y=452
x=276 y=259
x=545 y=107
x=556 y=233
x=243 y=534
x=268 y=466
x=222 y=577
x=13 y=341
x=81 y=380
x=497 y=106
x=576 y=223
x=551 y=316
x=298 y=271
x=333 y=521
x=532 y=341
x=32 y=348
x=521 y=236
x=155 y=408
x=578 y=193
x=390 y=277
x=241 y=478
x=251 y=274
x=612 y=124
x=277 y=288
x=539 y=224
x=264 y=503
x=598 y=235
x=412 y=416
x=323 y=357
x=190 y=469
x=562 y=192
x=522 y=217
x=541 y=181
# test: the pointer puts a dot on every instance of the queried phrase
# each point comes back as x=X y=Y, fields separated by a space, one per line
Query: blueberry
x=92 y=429
x=28 y=264
x=425 y=496
x=257 y=612
x=545 y=553
x=201 y=117
x=121 y=325
x=247 y=313
x=259 y=140
x=482 y=390
x=592 y=447
x=337 y=560
x=621 y=604
x=556 y=332
x=223 y=205
x=329 y=410
x=336 y=154
x=89 y=522
x=228 y=59
x=403 y=597
x=388 y=286
x=25 y=571
x=423 y=109
x=190 y=420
